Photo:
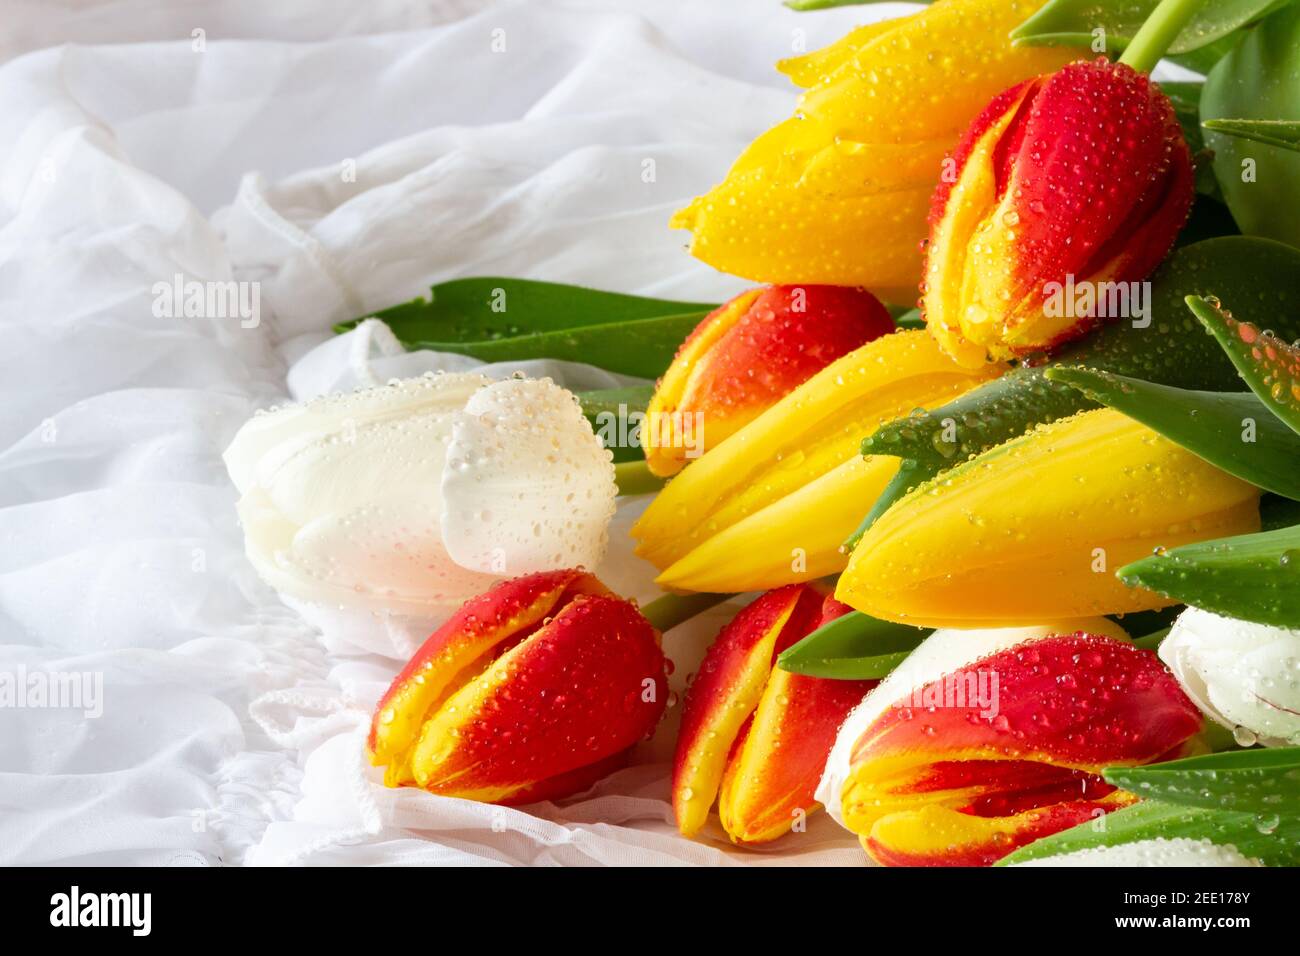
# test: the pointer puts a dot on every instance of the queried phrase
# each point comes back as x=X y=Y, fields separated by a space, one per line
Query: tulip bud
x=744 y=356
x=983 y=741
x=1038 y=526
x=838 y=192
x=531 y=691
x=414 y=496
x=772 y=504
x=754 y=736
x=1242 y=675
x=1064 y=182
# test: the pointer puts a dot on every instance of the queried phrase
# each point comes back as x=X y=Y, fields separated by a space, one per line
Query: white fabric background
x=230 y=729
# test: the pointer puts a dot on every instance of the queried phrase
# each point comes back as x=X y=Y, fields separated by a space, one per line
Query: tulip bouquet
x=1015 y=574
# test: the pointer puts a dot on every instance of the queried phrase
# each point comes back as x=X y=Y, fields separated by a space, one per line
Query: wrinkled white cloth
x=344 y=156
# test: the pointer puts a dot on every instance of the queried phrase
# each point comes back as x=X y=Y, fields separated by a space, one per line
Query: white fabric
x=343 y=167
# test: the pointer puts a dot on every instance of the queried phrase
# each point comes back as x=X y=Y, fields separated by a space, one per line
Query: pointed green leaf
x=1253 y=577
x=499 y=320
x=1231 y=430
x=1262 y=275
x=852 y=647
x=1270 y=837
x=1284 y=133
x=1262 y=780
x=1075 y=22
x=1269 y=365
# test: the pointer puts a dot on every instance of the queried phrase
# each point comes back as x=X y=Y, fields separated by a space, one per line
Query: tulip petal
x=745 y=356
x=1238 y=673
x=812 y=431
x=1007 y=749
x=305 y=428
x=340 y=496
x=661 y=437
x=838 y=194
x=943 y=652
x=543 y=708
x=528 y=486
x=771 y=779
x=1052 y=191
x=457 y=651
x=727 y=689
x=1036 y=527
x=796 y=538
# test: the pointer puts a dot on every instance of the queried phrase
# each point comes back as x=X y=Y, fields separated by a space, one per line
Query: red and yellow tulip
x=838 y=193
x=959 y=766
x=755 y=737
x=745 y=356
x=772 y=504
x=531 y=691
x=1036 y=528
x=1080 y=177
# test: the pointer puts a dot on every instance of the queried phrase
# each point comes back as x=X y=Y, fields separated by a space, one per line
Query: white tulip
x=412 y=497
x=1244 y=676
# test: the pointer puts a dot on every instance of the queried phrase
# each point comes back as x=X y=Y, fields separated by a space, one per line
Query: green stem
x=1149 y=642
x=1158 y=33
x=634 y=478
x=667 y=612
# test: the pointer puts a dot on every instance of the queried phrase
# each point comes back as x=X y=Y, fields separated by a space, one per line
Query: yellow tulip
x=771 y=503
x=839 y=193
x=1036 y=528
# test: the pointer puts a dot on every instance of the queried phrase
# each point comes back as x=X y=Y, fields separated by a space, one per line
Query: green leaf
x=610 y=412
x=1263 y=276
x=635 y=478
x=499 y=320
x=1186 y=99
x=1253 y=577
x=1261 y=780
x=1073 y=22
x=1284 y=133
x=1231 y=430
x=1271 y=838
x=1203 y=59
x=852 y=647
x=1269 y=365
x=1256 y=81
